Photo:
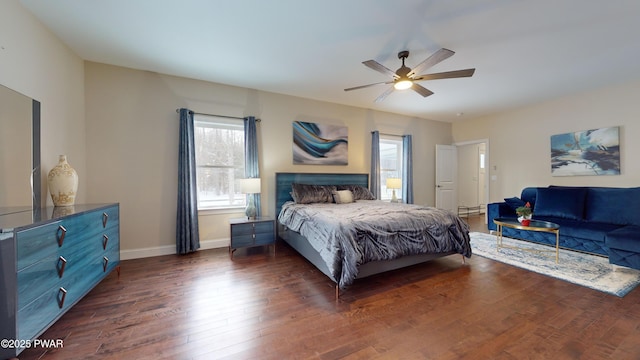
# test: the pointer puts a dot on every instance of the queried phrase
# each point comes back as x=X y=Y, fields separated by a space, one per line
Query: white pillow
x=343 y=196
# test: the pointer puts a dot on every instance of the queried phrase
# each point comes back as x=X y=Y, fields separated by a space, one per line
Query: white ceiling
x=524 y=51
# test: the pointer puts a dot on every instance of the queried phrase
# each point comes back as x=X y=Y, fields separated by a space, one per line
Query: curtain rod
x=222 y=116
x=386 y=134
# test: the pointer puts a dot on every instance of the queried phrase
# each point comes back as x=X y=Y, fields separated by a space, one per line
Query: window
x=219 y=161
x=390 y=164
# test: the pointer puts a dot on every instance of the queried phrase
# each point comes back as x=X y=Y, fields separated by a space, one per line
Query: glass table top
x=540 y=224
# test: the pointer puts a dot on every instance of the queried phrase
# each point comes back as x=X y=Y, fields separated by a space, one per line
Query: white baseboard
x=169 y=249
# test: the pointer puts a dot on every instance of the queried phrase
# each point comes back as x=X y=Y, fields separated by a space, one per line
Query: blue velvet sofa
x=599 y=220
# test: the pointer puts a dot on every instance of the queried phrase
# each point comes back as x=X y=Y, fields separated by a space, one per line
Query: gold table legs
x=555 y=231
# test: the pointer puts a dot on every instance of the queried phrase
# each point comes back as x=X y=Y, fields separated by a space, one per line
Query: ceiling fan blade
x=446 y=75
x=372 y=64
x=437 y=57
x=364 y=86
x=384 y=94
x=421 y=90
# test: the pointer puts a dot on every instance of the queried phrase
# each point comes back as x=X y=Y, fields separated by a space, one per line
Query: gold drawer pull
x=62 y=263
x=105 y=263
x=62 y=294
x=105 y=240
x=61 y=233
x=105 y=217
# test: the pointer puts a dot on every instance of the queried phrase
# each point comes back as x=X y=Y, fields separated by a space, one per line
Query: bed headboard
x=284 y=181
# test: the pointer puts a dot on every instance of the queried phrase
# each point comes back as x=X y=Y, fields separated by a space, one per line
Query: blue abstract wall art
x=319 y=144
x=589 y=152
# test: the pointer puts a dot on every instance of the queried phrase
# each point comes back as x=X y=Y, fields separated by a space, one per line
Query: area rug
x=590 y=271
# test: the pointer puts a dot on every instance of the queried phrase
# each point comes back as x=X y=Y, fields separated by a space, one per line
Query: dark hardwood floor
x=205 y=306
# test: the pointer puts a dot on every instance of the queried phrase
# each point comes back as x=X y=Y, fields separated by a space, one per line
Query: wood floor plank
x=257 y=306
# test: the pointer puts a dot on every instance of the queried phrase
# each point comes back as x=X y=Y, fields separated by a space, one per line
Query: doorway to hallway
x=473 y=175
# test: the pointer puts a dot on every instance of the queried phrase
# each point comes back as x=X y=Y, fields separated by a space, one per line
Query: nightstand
x=249 y=233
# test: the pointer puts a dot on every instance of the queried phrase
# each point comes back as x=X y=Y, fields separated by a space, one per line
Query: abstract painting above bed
x=319 y=144
x=351 y=234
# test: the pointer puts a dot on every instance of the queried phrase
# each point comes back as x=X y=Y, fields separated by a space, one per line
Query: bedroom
x=88 y=104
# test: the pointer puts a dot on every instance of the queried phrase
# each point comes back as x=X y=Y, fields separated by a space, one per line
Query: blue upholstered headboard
x=284 y=181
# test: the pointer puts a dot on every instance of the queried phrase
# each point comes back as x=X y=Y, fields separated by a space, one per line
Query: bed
x=331 y=237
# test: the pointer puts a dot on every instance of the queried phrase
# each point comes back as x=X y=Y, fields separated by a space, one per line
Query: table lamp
x=394 y=183
x=250 y=186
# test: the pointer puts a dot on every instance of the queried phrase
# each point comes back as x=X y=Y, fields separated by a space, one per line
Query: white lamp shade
x=250 y=186
x=394 y=183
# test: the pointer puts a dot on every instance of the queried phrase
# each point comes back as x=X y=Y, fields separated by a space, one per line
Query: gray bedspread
x=348 y=235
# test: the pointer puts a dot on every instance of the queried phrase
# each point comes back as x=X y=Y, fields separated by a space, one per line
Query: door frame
x=487 y=168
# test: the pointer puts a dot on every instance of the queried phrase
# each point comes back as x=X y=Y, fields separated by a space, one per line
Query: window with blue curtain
x=390 y=164
x=391 y=159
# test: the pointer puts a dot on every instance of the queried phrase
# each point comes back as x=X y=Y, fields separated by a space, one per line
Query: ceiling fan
x=405 y=78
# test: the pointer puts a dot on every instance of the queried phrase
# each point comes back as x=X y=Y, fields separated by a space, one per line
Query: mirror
x=20 y=176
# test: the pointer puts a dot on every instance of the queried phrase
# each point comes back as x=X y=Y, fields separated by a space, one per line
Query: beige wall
x=519 y=140
x=35 y=63
x=132 y=139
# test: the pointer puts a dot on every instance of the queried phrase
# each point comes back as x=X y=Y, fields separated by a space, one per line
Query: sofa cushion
x=581 y=229
x=565 y=203
x=625 y=238
x=613 y=205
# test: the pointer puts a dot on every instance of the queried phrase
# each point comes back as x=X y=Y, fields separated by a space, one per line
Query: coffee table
x=535 y=225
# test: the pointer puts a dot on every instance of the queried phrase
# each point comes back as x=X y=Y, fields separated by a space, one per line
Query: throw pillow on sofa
x=514 y=202
x=567 y=203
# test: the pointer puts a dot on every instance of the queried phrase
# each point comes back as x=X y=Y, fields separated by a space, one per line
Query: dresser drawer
x=241 y=241
x=251 y=240
x=82 y=229
x=39 y=313
x=266 y=227
x=264 y=238
x=110 y=259
x=53 y=302
x=34 y=244
x=52 y=271
x=110 y=217
x=252 y=228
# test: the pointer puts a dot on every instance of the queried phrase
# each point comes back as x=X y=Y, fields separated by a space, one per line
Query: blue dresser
x=49 y=259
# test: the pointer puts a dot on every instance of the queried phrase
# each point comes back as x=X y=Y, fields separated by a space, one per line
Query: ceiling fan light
x=403 y=84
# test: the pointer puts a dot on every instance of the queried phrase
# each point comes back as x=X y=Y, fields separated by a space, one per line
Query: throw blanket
x=348 y=235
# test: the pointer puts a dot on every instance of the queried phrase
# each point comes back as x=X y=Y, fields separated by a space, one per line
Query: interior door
x=446 y=175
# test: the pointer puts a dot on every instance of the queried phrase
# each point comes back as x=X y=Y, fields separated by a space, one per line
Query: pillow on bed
x=308 y=194
x=343 y=196
x=359 y=192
